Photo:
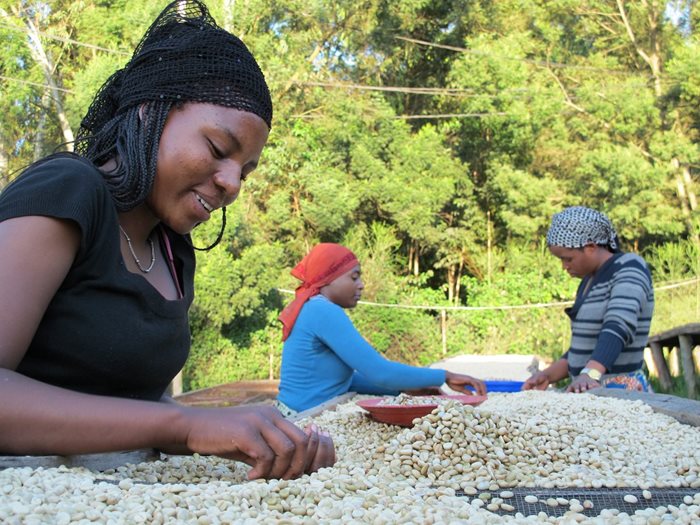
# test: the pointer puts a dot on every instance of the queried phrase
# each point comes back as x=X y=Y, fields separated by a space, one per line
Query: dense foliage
x=434 y=137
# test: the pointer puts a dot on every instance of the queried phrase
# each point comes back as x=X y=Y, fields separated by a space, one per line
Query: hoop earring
x=218 y=238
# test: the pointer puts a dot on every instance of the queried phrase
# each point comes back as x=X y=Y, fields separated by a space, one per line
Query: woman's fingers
x=325 y=453
x=480 y=386
x=582 y=385
x=328 y=449
x=264 y=445
x=461 y=382
x=290 y=461
x=312 y=446
x=537 y=382
x=427 y=391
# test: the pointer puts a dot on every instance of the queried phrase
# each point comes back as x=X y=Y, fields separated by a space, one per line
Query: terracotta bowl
x=403 y=415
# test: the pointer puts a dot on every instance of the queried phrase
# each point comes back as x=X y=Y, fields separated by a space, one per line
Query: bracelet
x=592 y=373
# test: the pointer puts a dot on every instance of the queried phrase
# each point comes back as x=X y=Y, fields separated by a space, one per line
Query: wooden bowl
x=403 y=415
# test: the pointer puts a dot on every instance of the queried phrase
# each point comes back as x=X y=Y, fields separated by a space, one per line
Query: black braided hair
x=183 y=57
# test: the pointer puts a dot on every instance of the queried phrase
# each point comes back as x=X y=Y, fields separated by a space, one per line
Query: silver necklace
x=133 y=253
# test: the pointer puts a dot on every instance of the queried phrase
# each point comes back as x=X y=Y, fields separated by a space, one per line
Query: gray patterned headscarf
x=577 y=226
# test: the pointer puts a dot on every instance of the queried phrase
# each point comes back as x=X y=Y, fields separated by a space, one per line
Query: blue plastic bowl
x=504 y=386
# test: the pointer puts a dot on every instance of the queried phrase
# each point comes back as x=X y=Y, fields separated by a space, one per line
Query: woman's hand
x=464 y=383
x=427 y=391
x=550 y=375
x=259 y=436
x=582 y=383
x=538 y=381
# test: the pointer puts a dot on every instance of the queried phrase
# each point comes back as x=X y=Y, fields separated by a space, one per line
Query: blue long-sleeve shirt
x=325 y=356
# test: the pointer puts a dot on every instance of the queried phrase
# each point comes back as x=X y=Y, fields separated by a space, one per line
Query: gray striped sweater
x=610 y=322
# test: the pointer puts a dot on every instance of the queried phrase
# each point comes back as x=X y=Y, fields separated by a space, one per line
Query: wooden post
x=443 y=330
x=657 y=354
x=488 y=246
x=674 y=365
x=649 y=362
x=685 y=343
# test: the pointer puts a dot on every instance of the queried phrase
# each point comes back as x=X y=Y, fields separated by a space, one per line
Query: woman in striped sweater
x=611 y=316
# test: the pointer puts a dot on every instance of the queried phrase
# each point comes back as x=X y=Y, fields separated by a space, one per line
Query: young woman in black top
x=97 y=266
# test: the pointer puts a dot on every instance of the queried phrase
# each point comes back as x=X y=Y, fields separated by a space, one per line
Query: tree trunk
x=414 y=264
x=229 y=21
x=458 y=282
x=651 y=56
x=42 y=58
x=686 y=197
x=688 y=182
x=40 y=135
x=450 y=282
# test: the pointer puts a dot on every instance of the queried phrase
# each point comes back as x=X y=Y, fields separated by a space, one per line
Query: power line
x=417 y=117
x=542 y=63
x=36 y=84
x=453 y=92
x=411 y=90
x=677 y=284
x=457 y=92
x=436 y=308
x=452 y=115
x=426 y=91
x=67 y=40
x=419 y=91
x=399 y=89
x=506 y=307
x=406 y=39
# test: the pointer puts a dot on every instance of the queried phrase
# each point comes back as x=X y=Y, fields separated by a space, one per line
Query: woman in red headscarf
x=324 y=355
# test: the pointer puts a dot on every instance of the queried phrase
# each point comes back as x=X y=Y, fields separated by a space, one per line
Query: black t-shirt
x=107 y=331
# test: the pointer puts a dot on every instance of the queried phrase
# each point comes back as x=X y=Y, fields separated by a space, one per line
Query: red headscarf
x=321 y=266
